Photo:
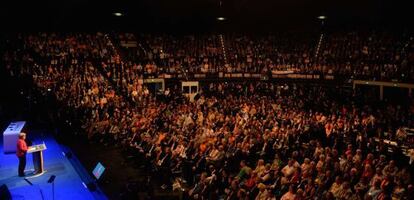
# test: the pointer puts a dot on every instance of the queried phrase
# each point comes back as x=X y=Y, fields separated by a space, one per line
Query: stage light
x=117 y=14
x=322 y=17
x=221 y=18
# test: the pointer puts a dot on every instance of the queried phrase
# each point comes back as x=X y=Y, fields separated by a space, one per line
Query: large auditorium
x=207 y=100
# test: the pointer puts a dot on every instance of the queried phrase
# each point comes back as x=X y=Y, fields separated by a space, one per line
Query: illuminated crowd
x=236 y=140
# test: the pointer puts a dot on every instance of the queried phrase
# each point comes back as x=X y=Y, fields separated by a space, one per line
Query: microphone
x=51 y=179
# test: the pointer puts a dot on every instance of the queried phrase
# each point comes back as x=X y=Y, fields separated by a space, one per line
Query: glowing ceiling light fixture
x=117 y=14
x=322 y=17
x=221 y=18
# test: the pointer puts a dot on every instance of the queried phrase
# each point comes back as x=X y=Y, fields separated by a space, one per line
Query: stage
x=70 y=182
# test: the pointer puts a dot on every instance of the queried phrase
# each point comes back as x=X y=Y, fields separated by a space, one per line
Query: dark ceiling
x=200 y=15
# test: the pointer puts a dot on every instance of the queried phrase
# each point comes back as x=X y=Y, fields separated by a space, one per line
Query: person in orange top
x=21 y=153
x=202 y=147
x=161 y=137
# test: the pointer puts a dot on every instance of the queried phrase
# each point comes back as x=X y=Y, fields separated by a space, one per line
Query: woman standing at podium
x=21 y=153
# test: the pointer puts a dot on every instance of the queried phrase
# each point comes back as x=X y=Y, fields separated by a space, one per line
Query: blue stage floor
x=68 y=183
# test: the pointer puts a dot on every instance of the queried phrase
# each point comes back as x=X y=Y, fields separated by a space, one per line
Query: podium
x=37 y=154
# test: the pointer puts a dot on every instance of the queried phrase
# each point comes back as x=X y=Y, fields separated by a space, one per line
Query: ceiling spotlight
x=117 y=14
x=221 y=18
x=322 y=17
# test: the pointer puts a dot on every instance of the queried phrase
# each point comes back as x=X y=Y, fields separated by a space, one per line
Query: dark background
x=200 y=15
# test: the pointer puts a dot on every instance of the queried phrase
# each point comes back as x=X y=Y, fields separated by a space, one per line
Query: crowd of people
x=359 y=55
x=283 y=52
x=375 y=55
x=65 y=65
x=250 y=140
x=297 y=144
x=159 y=54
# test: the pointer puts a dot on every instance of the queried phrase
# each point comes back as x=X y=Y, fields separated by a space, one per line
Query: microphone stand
x=52 y=180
